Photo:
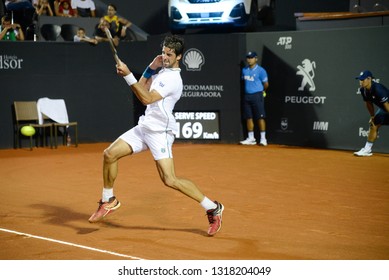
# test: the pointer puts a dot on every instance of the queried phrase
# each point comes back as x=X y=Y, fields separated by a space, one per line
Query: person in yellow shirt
x=119 y=24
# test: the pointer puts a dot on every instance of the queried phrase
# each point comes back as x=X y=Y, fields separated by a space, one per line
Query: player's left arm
x=147 y=75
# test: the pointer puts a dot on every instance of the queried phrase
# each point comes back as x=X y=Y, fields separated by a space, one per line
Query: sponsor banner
x=313 y=97
x=10 y=62
x=198 y=125
x=211 y=78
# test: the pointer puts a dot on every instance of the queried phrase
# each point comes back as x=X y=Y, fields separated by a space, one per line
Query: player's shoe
x=215 y=218
x=104 y=209
x=263 y=142
x=363 y=153
x=249 y=141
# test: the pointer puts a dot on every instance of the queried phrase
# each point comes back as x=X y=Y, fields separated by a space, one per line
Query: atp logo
x=307 y=70
x=285 y=41
x=193 y=60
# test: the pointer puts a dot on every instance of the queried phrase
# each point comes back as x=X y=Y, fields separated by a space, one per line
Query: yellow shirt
x=115 y=20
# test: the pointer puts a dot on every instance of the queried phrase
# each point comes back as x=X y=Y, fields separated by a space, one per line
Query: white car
x=185 y=14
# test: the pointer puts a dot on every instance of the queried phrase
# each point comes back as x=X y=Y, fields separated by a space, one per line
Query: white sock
x=251 y=134
x=208 y=204
x=368 y=145
x=263 y=135
x=107 y=194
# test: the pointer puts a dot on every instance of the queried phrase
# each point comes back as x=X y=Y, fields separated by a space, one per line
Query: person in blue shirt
x=373 y=93
x=255 y=86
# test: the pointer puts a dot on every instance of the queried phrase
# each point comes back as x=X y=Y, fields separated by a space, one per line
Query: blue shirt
x=378 y=94
x=254 y=78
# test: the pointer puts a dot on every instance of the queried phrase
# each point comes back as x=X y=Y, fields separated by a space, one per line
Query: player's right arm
x=138 y=87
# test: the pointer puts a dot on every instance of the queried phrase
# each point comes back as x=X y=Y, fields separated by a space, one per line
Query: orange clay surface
x=281 y=203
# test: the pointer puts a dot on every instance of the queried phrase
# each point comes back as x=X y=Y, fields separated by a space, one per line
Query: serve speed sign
x=197 y=125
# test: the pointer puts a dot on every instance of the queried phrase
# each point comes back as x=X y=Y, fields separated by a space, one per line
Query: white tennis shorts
x=141 y=139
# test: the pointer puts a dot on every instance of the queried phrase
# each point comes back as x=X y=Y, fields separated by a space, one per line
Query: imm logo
x=320 y=126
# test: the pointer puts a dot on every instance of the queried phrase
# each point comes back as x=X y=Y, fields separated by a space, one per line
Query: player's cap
x=251 y=54
x=363 y=75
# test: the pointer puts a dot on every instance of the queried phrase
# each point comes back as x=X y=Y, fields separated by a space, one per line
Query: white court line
x=70 y=244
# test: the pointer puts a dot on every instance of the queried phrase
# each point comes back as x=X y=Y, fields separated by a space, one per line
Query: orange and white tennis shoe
x=215 y=218
x=104 y=209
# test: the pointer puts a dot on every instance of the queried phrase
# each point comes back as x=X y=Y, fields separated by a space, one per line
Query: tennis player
x=155 y=131
x=373 y=94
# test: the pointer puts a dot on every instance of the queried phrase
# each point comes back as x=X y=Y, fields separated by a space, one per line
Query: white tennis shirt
x=159 y=115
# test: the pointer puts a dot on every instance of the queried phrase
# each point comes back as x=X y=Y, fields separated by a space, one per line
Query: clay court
x=281 y=203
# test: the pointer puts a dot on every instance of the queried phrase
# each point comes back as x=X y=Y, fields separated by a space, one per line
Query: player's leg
x=213 y=209
x=109 y=203
x=112 y=154
x=167 y=174
x=160 y=145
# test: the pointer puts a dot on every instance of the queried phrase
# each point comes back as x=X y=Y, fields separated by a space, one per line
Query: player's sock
x=107 y=194
x=251 y=135
x=208 y=204
x=368 y=145
x=263 y=135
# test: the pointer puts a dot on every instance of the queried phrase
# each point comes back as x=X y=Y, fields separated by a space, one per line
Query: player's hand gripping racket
x=112 y=45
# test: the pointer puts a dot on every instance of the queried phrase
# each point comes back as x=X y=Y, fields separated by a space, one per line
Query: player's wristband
x=130 y=79
x=148 y=72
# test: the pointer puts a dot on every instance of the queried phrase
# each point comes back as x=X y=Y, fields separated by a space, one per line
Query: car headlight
x=238 y=11
x=175 y=13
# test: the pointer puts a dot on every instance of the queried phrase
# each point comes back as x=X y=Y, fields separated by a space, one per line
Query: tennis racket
x=111 y=44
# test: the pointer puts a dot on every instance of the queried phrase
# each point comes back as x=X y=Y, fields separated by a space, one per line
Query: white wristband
x=130 y=79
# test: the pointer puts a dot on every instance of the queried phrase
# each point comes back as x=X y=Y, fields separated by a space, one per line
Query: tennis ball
x=27 y=130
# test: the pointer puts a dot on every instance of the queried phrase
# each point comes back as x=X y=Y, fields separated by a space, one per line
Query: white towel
x=55 y=109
